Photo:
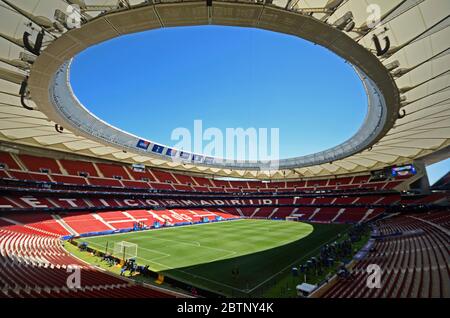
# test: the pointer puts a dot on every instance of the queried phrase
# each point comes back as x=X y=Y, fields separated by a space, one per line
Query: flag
x=197 y=158
x=185 y=155
x=171 y=152
x=158 y=148
x=143 y=144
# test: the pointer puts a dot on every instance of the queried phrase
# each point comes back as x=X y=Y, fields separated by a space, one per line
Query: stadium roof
x=403 y=62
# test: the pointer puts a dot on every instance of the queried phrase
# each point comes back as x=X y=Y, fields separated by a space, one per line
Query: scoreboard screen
x=406 y=170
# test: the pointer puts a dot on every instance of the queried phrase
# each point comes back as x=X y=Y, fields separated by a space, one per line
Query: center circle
x=153 y=82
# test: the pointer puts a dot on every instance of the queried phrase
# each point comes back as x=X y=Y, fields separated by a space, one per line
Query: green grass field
x=205 y=255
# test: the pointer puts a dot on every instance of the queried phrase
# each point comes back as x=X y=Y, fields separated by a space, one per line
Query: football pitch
x=209 y=255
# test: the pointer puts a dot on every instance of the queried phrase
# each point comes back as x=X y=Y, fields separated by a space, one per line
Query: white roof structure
x=402 y=59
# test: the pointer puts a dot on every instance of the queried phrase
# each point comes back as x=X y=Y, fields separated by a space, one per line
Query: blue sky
x=153 y=82
x=437 y=170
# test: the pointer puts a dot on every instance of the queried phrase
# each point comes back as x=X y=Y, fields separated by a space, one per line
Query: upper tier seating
x=29 y=176
x=8 y=161
x=141 y=175
x=105 y=182
x=106 y=175
x=76 y=167
x=135 y=184
x=112 y=171
x=360 y=179
x=221 y=183
x=163 y=176
x=37 y=164
x=184 y=179
x=434 y=197
x=203 y=182
x=69 y=179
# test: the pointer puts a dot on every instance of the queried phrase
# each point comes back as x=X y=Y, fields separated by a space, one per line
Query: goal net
x=125 y=250
x=292 y=218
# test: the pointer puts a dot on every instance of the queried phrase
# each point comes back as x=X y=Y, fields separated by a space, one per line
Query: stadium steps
x=340 y=212
x=63 y=223
x=314 y=214
x=18 y=162
x=13 y=202
x=97 y=170
x=128 y=215
x=273 y=213
x=366 y=216
x=255 y=212
x=240 y=212
x=100 y=219
x=29 y=227
x=61 y=167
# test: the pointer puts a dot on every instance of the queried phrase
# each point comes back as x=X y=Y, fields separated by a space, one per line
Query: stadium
x=89 y=210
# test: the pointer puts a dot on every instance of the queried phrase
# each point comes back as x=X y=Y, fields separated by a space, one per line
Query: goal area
x=125 y=250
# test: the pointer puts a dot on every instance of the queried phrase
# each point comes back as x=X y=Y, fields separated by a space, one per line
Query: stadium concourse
x=68 y=177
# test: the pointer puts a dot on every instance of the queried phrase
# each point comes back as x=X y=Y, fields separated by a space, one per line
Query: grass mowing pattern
x=205 y=255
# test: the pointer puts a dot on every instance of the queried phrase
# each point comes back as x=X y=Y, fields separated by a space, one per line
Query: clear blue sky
x=437 y=170
x=153 y=82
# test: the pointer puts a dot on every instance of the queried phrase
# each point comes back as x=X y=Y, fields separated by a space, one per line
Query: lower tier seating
x=37 y=266
x=413 y=256
x=34 y=264
x=76 y=223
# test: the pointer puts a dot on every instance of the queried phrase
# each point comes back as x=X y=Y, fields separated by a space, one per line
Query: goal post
x=292 y=218
x=125 y=250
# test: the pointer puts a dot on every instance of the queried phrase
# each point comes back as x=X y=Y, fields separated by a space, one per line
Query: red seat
x=112 y=170
x=8 y=160
x=36 y=164
x=76 y=167
x=163 y=176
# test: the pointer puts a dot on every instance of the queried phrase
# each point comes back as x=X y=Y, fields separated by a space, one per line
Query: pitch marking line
x=288 y=266
x=171 y=228
x=192 y=244
x=152 y=251
x=165 y=255
x=223 y=257
x=190 y=274
x=182 y=271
